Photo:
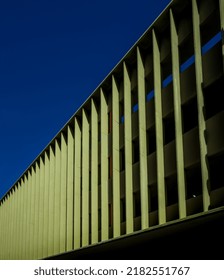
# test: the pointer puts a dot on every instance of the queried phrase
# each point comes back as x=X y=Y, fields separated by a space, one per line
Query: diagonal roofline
x=94 y=92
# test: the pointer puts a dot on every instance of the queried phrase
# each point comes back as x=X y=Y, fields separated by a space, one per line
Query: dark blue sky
x=53 y=54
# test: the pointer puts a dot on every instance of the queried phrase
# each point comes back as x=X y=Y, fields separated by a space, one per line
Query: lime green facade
x=145 y=149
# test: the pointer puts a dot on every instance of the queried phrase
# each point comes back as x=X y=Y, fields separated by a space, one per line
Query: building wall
x=146 y=148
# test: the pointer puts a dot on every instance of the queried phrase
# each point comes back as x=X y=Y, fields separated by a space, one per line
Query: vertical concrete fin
x=85 y=178
x=11 y=223
x=159 y=131
x=7 y=227
x=41 y=210
x=63 y=193
x=36 y=215
x=70 y=189
x=116 y=159
x=57 y=195
x=142 y=141
x=46 y=204
x=32 y=213
x=128 y=151
x=77 y=186
x=94 y=173
x=200 y=101
x=51 y=202
x=104 y=167
x=29 y=187
x=178 y=118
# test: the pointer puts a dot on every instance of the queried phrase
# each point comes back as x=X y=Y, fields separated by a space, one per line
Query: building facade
x=145 y=150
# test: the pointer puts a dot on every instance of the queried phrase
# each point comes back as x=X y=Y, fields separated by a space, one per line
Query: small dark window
x=171 y=190
x=137 y=205
x=121 y=112
x=135 y=146
x=216 y=165
x=213 y=99
x=99 y=174
x=122 y=160
x=169 y=128
x=153 y=198
x=123 y=210
x=109 y=122
x=99 y=219
x=99 y=131
x=190 y=115
x=110 y=167
x=110 y=215
x=193 y=181
x=151 y=140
